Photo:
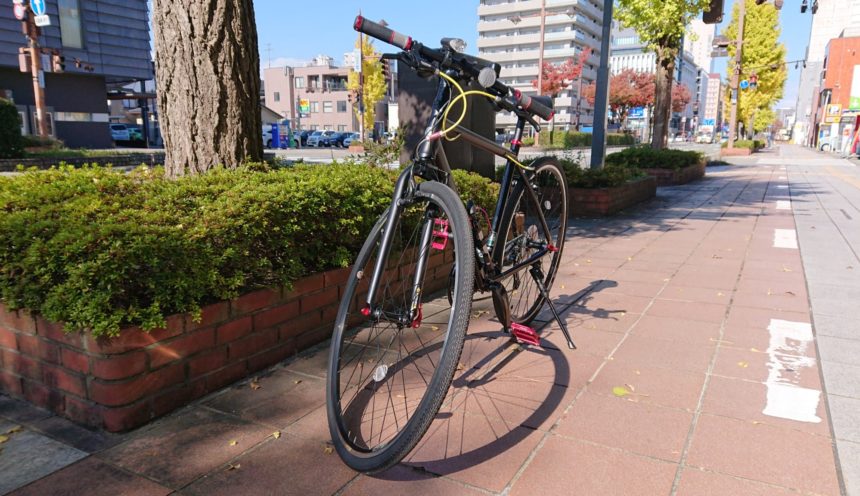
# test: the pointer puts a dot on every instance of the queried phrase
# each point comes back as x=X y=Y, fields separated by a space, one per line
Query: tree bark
x=208 y=75
x=663 y=97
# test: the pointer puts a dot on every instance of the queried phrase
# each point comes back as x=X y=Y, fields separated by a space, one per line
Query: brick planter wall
x=122 y=383
x=118 y=160
x=674 y=177
x=735 y=152
x=596 y=202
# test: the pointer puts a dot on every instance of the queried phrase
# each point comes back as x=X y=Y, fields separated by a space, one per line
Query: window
x=70 y=24
x=277 y=96
x=300 y=82
x=327 y=128
x=315 y=107
x=341 y=128
x=341 y=106
x=328 y=107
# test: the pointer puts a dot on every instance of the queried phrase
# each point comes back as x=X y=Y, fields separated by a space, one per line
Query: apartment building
x=712 y=110
x=312 y=97
x=833 y=19
x=509 y=33
x=108 y=37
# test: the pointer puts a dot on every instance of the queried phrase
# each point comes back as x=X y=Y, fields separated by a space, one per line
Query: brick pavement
x=696 y=373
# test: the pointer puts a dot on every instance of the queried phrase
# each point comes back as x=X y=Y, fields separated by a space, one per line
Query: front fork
x=430 y=236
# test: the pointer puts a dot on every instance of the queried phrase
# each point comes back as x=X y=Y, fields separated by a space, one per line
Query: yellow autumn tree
x=374 y=87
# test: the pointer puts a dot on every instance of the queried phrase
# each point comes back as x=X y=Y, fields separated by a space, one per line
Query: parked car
x=339 y=139
x=321 y=138
x=303 y=135
x=119 y=132
x=350 y=138
x=706 y=138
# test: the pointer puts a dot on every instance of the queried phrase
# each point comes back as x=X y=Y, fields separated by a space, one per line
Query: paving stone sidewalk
x=696 y=373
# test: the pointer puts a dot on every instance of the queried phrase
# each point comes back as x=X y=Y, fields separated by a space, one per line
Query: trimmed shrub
x=11 y=144
x=643 y=157
x=102 y=250
x=607 y=177
x=576 y=139
x=748 y=144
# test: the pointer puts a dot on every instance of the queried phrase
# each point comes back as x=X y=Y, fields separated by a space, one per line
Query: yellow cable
x=462 y=95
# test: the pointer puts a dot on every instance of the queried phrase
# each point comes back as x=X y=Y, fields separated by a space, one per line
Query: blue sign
x=708 y=122
x=745 y=84
x=636 y=113
x=38 y=7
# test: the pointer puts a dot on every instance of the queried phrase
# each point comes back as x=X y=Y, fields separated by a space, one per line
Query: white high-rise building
x=833 y=18
x=509 y=34
x=699 y=42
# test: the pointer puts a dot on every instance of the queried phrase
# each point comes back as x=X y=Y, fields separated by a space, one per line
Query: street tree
x=207 y=70
x=630 y=88
x=555 y=78
x=762 y=55
x=372 y=88
x=661 y=24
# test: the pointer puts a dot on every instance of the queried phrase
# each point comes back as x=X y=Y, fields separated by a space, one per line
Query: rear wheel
x=389 y=371
x=521 y=236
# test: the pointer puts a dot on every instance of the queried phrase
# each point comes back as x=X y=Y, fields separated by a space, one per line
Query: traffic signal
x=714 y=13
x=58 y=63
x=386 y=69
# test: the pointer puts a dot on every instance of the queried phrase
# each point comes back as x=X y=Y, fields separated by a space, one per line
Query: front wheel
x=521 y=235
x=390 y=368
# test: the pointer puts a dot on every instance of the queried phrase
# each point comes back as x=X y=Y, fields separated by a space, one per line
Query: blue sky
x=293 y=34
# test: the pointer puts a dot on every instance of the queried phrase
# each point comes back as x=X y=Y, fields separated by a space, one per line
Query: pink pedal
x=525 y=335
x=440 y=234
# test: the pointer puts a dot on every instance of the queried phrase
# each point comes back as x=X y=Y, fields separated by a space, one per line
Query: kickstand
x=538 y=277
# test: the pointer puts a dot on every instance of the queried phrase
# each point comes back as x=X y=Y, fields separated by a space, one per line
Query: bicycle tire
x=548 y=181
x=356 y=336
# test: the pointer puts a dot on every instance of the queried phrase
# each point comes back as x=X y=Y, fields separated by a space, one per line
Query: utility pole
x=733 y=114
x=540 y=55
x=32 y=32
x=601 y=97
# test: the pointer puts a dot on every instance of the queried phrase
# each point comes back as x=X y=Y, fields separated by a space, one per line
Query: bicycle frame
x=429 y=152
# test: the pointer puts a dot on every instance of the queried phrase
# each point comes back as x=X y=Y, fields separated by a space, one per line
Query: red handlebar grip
x=382 y=33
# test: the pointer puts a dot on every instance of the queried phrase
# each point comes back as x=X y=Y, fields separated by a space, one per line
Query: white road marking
x=785 y=399
x=785 y=238
x=783 y=205
x=782 y=186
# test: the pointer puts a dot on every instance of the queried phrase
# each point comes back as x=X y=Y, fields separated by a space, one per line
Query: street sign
x=304 y=107
x=745 y=84
x=708 y=122
x=38 y=7
x=20 y=11
x=636 y=113
x=42 y=20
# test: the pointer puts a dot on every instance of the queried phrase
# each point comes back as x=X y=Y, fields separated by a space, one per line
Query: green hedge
x=566 y=139
x=607 y=177
x=101 y=250
x=11 y=144
x=748 y=144
x=643 y=157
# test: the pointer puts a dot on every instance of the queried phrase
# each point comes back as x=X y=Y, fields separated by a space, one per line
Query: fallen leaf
x=561 y=286
x=3 y=438
x=14 y=430
x=297 y=381
x=254 y=385
x=743 y=364
x=434 y=328
x=666 y=280
x=460 y=366
x=620 y=391
x=720 y=293
x=630 y=387
x=769 y=292
x=588 y=261
x=629 y=258
x=754 y=350
x=786 y=269
x=276 y=434
x=328 y=450
x=790 y=293
x=637 y=372
x=233 y=467
x=234 y=442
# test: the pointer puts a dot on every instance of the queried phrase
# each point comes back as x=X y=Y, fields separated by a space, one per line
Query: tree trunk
x=208 y=76
x=663 y=97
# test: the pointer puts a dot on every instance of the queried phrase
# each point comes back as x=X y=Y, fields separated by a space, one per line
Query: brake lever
x=531 y=120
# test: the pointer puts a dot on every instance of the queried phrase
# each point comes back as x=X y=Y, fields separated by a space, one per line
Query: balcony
x=508 y=8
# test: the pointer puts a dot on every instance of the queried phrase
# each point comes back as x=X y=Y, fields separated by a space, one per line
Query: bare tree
x=208 y=75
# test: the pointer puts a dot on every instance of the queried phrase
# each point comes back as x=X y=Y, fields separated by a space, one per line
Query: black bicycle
x=405 y=310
